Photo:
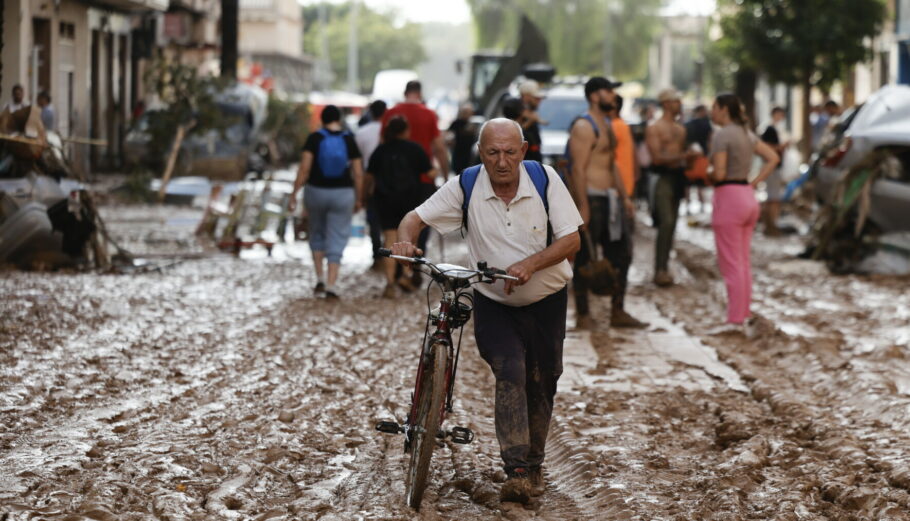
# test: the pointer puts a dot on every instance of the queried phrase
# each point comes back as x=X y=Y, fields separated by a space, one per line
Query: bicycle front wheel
x=426 y=424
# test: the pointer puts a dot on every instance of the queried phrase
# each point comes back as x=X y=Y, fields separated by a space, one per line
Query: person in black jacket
x=394 y=176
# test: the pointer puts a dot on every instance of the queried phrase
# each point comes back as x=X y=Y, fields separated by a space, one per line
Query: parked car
x=558 y=109
x=226 y=154
x=882 y=123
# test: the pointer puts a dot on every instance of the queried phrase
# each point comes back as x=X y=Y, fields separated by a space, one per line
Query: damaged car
x=880 y=128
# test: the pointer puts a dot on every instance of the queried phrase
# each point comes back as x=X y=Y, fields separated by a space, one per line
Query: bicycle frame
x=442 y=334
x=454 y=281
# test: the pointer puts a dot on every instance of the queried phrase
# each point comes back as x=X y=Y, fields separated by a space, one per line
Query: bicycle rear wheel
x=426 y=424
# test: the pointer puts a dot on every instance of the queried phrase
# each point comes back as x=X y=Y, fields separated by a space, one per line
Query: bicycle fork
x=461 y=435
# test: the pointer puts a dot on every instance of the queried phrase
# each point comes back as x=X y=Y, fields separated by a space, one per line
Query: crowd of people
x=550 y=227
x=392 y=163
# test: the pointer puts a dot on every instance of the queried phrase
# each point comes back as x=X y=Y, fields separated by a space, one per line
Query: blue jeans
x=330 y=211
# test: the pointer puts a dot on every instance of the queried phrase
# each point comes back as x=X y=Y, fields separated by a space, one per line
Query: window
x=67 y=31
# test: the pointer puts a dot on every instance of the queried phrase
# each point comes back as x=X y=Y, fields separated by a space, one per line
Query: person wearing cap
x=602 y=200
x=666 y=139
x=531 y=96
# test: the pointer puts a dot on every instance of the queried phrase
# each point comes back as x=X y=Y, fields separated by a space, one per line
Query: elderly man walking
x=519 y=214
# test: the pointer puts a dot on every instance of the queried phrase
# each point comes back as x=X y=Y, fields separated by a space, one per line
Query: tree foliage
x=381 y=43
x=800 y=42
x=576 y=30
x=188 y=99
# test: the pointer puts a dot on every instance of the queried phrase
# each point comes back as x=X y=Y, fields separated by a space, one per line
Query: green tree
x=809 y=43
x=190 y=107
x=580 y=33
x=381 y=43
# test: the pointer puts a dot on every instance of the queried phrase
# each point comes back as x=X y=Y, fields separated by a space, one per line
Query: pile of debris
x=845 y=237
x=253 y=212
x=47 y=220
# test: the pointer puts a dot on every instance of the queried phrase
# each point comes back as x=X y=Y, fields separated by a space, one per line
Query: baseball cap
x=599 y=82
x=669 y=94
x=531 y=88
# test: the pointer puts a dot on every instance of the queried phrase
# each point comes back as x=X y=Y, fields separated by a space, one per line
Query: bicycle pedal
x=461 y=435
x=389 y=427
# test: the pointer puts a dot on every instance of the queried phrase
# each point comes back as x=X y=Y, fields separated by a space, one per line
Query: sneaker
x=535 y=477
x=517 y=488
x=663 y=279
x=584 y=322
x=405 y=284
x=389 y=291
x=320 y=288
x=619 y=318
x=331 y=295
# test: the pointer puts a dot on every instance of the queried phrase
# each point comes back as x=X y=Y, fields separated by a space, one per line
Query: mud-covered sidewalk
x=219 y=388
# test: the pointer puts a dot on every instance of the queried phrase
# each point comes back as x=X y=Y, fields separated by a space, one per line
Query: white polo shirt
x=502 y=234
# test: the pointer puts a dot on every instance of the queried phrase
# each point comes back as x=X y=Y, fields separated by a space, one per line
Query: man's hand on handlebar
x=523 y=271
x=406 y=249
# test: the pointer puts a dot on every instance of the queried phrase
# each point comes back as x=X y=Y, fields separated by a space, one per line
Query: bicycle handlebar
x=483 y=270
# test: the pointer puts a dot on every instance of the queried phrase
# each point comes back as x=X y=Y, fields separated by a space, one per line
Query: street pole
x=229 y=28
x=608 y=43
x=324 y=70
x=353 y=57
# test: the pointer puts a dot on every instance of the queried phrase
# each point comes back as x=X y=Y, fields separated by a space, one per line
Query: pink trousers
x=734 y=216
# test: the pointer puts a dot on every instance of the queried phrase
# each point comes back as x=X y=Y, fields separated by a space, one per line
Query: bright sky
x=457 y=11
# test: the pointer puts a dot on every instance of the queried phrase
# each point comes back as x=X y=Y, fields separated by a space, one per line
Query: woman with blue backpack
x=332 y=170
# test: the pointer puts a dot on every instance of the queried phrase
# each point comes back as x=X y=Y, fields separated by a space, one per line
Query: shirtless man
x=602 y=200
x=666 y=140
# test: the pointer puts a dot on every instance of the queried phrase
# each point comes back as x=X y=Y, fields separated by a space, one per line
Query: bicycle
x=436 y=369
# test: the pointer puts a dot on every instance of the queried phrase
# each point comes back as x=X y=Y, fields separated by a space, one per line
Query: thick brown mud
x=219 y=388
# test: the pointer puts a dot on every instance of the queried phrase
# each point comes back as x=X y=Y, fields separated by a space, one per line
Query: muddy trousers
x=523 y=346
x=733 y=219
x=666 y=212
x=618 y=250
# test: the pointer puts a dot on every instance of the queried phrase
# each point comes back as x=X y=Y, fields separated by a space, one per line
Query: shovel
x=598 y=275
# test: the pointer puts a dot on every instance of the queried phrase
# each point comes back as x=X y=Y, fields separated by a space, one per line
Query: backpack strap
x=466 y=181
x=593 y=124
x=539 y=179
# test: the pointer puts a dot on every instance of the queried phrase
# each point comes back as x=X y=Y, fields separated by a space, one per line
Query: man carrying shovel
x=607 y=210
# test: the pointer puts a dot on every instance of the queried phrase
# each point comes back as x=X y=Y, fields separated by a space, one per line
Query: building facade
x=902 y=41
x=271 y=46
x=80 y=52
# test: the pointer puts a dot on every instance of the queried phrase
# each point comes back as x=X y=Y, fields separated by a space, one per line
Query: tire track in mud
x=808 y=390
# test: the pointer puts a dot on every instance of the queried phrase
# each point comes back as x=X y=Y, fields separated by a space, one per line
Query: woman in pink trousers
x=735 y=207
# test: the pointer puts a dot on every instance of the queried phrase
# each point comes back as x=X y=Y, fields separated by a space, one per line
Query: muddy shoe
x=535 y=478
x=517 y=488
x=389 y=291
x=331 y=295
x=663 y=279
x=584 y=322
x=319 y=289
x=619 y=318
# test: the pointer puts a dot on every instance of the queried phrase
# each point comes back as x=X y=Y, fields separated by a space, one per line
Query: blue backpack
x=536 y=172
x=333 y=154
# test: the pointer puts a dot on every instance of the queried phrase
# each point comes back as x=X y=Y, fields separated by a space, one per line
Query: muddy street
x=219 y=388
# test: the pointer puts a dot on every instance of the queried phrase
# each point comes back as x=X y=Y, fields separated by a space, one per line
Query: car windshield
x=559 y=112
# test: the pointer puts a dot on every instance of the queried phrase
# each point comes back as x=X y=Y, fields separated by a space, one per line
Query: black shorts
x=391 y=212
